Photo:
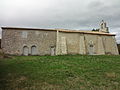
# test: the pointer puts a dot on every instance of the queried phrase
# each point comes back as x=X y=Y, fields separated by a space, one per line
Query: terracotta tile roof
x=61 y=30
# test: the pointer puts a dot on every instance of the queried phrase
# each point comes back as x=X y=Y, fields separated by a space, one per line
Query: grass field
x=71 y=72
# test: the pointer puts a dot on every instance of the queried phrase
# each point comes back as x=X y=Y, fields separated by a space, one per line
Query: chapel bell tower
x=103 y=27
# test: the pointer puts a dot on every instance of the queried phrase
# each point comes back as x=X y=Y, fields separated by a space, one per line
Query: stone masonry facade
x=29 y=41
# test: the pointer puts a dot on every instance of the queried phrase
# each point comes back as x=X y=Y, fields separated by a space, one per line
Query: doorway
x=33 y=50
x=91 y=48
x=25 y=50
x=52 y=51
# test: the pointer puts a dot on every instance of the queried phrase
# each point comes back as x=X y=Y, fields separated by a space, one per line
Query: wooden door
x=33 y=50
x=25 y=51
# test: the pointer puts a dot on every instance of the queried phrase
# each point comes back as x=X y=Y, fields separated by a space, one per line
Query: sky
x=64 y=14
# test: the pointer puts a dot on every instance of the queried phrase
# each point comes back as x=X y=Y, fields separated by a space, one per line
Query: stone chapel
x=34 y=41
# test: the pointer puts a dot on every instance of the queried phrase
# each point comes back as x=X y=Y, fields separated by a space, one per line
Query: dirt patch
x=110 y=74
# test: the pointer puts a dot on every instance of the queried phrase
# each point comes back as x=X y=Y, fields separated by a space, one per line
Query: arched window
x=25 y=50
x=34 y=50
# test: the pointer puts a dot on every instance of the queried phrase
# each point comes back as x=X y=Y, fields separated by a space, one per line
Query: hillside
x=71 y=72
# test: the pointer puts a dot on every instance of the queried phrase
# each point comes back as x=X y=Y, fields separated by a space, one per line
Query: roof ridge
x=61 y=30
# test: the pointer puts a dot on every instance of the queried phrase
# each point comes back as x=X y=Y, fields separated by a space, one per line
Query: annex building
x=31 y=41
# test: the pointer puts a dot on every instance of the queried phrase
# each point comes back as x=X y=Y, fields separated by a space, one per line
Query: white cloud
x=71 y=14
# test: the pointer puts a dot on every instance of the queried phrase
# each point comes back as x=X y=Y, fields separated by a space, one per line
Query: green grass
x=71 y=72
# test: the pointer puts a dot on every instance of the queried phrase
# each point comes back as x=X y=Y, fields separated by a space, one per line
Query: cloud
x=68 y=14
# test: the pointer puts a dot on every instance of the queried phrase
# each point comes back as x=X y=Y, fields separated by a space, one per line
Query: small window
x=91 y=45
x=24 y=34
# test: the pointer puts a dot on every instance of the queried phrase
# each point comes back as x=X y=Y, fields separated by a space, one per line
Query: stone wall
x=72 y=41
x=13 y=41
x=78 y=43
x=110 y=45
x=51 y=42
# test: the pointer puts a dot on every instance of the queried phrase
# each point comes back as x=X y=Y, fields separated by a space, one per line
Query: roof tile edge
x=62 y=30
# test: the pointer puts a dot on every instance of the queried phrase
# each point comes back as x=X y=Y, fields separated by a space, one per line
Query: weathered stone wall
x=110 y=45
x=91 y=42
x=13 y=41
x=77 y=43
x=50 y=42
x=72 y=42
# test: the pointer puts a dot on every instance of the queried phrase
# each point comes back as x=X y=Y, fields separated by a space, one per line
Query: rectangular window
x=24 y=34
